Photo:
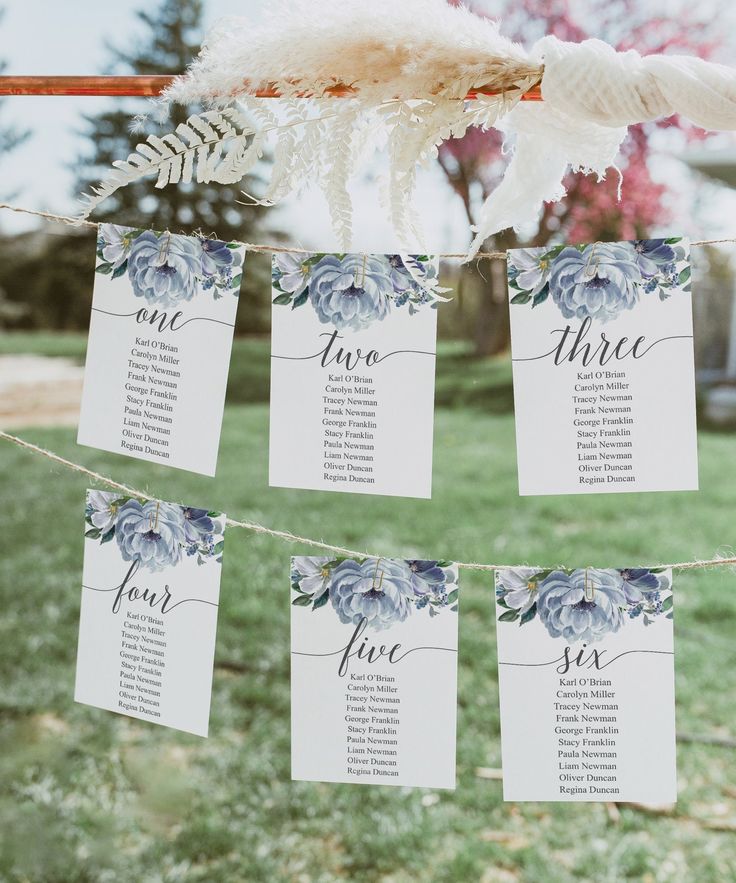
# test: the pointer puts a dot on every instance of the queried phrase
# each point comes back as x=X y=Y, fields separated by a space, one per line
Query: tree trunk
x=492 y=330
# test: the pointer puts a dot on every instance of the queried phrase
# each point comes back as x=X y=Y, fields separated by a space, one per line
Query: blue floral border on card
x=584 y=604
x=600 y=280
x=384 y=591
x=352 y=291
x=155 y=534
x=167 y=269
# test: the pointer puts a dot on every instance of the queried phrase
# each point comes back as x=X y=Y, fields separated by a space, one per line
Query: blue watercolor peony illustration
x=598 y=282
x=165 y=269
x=585 y=604
x=582 y=605
x=152 y=532
x=383 y=590
x=601 y=280
x=351 y=291
x=380 y=591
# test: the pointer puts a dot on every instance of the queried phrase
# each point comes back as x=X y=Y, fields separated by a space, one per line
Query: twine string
x=289 y=249
x=290 y=537
x=253 y=526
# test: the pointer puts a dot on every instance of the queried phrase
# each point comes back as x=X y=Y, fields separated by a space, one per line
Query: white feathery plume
x=407 y=66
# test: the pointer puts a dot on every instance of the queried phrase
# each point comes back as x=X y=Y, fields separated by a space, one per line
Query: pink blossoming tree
x=474 y=164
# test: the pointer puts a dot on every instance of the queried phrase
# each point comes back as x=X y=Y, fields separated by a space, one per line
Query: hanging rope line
x=289 y=537
x=288 y=249
x=253 y=526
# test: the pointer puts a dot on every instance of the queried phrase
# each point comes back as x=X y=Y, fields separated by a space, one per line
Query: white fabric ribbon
x=591 y=95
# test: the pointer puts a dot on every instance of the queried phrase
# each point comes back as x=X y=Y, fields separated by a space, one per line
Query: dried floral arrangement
x=355 y=77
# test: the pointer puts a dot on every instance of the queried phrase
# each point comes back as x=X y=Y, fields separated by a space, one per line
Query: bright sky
x=40 y=37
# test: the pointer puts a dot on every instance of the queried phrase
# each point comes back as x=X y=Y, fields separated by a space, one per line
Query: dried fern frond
x=408 y=67
x=218 y=146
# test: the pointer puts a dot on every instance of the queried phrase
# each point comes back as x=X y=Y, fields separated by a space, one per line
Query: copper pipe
x=150 y=86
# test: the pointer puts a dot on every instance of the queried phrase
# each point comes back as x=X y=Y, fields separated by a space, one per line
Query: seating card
x=587 y=687
x=163 y=314
x=604 y=384
x=151 y=588
x=352 y=373
x=373 y=671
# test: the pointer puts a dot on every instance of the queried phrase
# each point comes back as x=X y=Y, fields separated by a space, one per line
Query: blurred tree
x=10 y=136
x=171 y=36
x=474 y=165
x=51 y=272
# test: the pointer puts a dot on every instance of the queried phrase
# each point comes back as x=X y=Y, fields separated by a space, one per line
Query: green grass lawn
x=461 y=379
x=86 y=795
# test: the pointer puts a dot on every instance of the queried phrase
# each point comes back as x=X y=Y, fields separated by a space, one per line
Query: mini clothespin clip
x=153 y=519
x=592 y=268
x=164 y=254
x=376 y=587
x=359 y=282
x=589 y=592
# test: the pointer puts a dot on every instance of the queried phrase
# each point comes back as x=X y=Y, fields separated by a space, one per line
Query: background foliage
x=45 y=273
x=86 y=795
x=92 y=797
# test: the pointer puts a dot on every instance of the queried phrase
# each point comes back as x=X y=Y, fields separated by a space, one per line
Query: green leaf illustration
x=540 y=298
x=522 y=298
x=530 y=614
x=321 y=601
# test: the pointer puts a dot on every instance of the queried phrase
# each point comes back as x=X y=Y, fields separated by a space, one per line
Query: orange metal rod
x=149 y=86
